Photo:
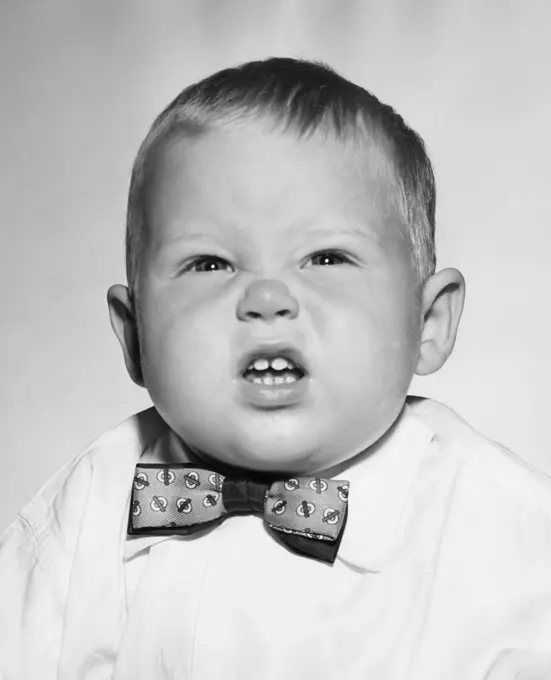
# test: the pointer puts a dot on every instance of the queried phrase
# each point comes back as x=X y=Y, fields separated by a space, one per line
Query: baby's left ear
x=442 y=305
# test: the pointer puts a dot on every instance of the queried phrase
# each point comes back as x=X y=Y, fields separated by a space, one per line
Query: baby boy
x=284 y=510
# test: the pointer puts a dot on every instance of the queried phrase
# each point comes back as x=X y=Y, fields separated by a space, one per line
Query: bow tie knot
x=307 y=514
x=244 y=496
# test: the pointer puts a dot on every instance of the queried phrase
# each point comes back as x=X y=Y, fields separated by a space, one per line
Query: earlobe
x=123 y=321
x=442 y=306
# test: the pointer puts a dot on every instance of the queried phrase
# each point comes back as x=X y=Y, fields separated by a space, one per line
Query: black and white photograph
x=275 y=331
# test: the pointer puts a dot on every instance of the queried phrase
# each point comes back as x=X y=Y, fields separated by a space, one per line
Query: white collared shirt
x=443 y=573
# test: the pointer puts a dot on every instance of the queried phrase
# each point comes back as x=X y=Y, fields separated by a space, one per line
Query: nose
x=267 y=299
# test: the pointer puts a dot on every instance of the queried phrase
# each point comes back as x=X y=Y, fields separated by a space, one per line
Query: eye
x=206 y=263
x=327 y=258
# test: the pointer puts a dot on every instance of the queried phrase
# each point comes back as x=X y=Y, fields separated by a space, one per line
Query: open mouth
x=274 y=376
x=273 y=366
x=278 y=370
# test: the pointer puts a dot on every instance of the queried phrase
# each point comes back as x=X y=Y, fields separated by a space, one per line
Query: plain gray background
x=82 y=80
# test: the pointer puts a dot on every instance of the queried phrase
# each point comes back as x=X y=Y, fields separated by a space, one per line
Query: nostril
x=260 y=315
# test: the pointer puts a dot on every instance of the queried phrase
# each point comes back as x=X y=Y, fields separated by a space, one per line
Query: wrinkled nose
x=267 y=299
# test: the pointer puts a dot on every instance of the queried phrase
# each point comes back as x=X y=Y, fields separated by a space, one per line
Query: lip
x=271 y=350
x=273 y=396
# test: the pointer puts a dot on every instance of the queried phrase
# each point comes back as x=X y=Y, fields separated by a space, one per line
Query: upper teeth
x=277 y=363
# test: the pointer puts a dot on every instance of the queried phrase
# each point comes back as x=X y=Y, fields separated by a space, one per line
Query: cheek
x=184 y=351
x=372 y=340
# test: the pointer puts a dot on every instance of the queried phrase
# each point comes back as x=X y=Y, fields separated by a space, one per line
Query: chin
x=275 y=455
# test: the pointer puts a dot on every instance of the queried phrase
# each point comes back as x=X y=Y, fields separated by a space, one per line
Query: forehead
x=250 y=176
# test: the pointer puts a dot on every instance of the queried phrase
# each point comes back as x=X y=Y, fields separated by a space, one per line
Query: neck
x=170 y=448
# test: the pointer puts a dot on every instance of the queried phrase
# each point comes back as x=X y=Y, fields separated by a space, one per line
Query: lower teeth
x=279 y=380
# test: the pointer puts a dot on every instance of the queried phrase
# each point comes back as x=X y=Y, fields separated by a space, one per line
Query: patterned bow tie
x=308 y=514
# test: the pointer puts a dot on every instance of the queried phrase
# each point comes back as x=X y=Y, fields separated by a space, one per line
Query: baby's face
x=261 y=245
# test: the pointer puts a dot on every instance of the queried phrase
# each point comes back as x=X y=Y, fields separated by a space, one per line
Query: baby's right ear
x=124 y=323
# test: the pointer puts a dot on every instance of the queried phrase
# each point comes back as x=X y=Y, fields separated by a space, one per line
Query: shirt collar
x=380 y=483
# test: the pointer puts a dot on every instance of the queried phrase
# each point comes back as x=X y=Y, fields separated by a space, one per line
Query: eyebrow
x=178 y=238
x=347 y=230
x=354 y=231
